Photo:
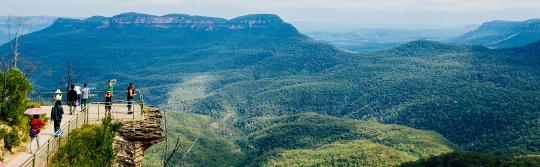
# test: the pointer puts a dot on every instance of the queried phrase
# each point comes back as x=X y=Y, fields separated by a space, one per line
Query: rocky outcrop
x=137 y=136
x=178 y=21
x=503 y=34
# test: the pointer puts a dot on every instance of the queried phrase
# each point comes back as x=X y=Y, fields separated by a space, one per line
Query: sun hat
x=58 y=91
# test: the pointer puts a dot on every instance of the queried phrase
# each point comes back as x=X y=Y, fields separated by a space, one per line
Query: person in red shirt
x=35 y=128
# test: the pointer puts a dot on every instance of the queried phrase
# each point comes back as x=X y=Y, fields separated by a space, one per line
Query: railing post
x=34 y=159
x=48 y=149
x=69 y=124
x=133 y=110
x=86 y=112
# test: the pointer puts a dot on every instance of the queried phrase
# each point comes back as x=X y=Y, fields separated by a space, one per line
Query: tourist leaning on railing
x=130 y=95
x=108 y=103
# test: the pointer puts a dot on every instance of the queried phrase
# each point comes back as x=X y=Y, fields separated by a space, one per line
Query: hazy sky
x=306 y=14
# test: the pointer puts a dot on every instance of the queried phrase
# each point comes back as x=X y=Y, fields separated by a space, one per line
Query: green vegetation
x=469 y=159
x=12 y=139
x=90 y=145
x=215 y=145
x=220 y=145
x=355 y=153
x=310 y=130
x=258 y=82
x=14 y=90
x=14 y=97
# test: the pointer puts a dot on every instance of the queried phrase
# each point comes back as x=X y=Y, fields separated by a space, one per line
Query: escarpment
x=137 y=136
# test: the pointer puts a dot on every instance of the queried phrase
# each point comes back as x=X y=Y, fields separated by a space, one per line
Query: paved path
x=22 y=153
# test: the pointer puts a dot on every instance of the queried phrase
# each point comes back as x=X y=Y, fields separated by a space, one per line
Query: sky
x=307 y=15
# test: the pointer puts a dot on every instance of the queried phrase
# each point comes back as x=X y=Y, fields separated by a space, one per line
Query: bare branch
x=190 y=148
x=16 y=28
x=28 y=67
x=70 y=76
x=175 y=149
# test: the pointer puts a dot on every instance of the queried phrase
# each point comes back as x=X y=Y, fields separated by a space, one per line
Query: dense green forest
x=215 y=145
x=257 y=80
x=219 y=144
x=470 y=159
x=356 y=153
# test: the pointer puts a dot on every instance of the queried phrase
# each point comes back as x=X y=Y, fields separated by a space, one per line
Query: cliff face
x=137 y=136
x=200 y=23
x=503 y=34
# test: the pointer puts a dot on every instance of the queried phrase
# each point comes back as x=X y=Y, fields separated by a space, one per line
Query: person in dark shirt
x=56 y=116
x=72 y=99
x=130 y=95
x=108 y=103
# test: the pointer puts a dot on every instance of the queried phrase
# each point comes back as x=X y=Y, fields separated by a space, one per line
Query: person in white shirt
x=85 y=91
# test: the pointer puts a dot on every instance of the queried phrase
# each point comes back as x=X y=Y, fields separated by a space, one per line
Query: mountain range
x=493 y=34
x=503 y=34
x=255 y=91
x=374 y=39
x=36 y=23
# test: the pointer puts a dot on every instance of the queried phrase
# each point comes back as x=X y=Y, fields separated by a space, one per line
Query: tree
x=14 y=90
x=70 y=75
x=166 y=156
x=16 y=28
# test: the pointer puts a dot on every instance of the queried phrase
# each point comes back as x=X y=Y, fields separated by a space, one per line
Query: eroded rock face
x=178 y=21
x=137 y=136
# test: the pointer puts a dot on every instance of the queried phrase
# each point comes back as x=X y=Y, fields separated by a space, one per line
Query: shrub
x=33 y=105
x=14 y=90
x=12 y=139
x=13 y=96
x=90 y=145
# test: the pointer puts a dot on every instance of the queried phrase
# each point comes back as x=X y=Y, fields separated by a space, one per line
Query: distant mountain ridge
x=375 y=39
x=256 y=21
x=37 y=23
x=503 y=34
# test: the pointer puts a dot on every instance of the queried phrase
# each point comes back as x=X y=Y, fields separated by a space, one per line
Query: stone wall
x=137 y=136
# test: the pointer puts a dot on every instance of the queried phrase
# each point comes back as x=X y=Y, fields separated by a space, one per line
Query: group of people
x=77 y=96
x=109 y=94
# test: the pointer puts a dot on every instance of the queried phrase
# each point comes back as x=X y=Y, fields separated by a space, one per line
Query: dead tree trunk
x=16 y=28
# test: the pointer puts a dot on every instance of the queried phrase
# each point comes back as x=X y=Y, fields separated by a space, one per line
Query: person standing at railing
x=130 y=95
x=72 y=99
x=108 y=103
x=56 y=116
x=110 y=86
x=85 y=91
x=79 y=95
x=35 y=128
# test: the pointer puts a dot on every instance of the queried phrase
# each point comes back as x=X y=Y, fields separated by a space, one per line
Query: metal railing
x=43 y=155
x=114 y=112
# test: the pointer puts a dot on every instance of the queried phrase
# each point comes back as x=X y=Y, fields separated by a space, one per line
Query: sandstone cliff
x=137 y=136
